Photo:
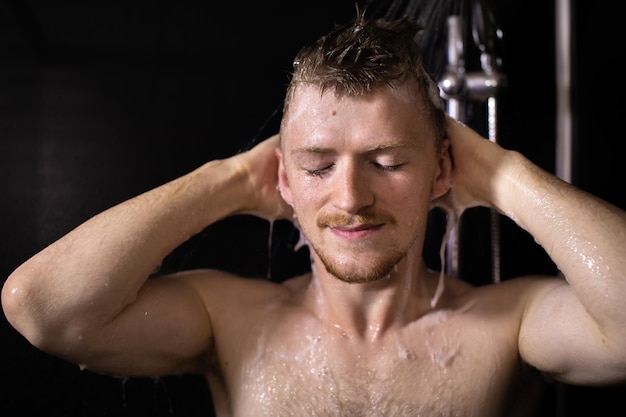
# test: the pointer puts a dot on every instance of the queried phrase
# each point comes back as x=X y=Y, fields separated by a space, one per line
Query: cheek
x=306 y=198
x=302 y=193
x=410 y=188
x=293 y=189
x=410 y=200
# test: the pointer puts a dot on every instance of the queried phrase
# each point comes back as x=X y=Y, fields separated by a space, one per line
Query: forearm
x=88 y=276
x=583 y=234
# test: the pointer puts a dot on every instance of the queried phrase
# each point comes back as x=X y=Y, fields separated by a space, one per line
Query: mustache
x=349 y=220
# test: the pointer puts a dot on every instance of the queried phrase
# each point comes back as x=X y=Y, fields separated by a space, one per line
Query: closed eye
x=319 y=171
x=394 y=167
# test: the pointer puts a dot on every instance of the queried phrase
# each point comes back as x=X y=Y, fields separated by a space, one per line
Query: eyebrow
x=375 y=149
x=312 y=150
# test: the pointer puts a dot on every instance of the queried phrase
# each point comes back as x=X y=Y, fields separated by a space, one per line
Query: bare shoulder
x=511 y=294
x=217 y=286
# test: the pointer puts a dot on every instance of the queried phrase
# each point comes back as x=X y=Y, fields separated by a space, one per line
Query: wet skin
x=358 y=335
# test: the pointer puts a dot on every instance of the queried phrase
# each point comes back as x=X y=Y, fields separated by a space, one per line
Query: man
x=364 y=152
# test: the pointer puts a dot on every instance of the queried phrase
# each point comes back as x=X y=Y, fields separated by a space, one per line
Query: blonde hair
x=355 y=58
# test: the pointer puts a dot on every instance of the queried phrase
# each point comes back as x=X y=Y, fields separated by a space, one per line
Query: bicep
x=559 y=338
x=166 y=330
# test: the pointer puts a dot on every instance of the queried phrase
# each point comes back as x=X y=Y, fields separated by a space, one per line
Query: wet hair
x=356 y=58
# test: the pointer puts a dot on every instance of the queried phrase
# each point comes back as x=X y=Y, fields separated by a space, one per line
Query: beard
x=358 y=265
x=365 y=272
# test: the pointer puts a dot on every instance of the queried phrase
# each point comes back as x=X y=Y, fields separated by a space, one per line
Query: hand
x=475 y=166
x=261 y=164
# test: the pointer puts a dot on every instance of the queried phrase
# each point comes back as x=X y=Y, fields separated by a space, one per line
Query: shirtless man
x=364 y=152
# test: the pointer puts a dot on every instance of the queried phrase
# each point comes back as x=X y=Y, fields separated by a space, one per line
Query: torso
x=280 y=359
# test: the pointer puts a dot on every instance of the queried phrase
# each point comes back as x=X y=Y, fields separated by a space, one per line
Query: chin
x=362 y=274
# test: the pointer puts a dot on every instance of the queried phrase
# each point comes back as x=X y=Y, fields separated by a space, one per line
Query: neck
x=368 y=310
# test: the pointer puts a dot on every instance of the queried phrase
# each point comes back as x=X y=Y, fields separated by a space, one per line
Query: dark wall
x=100 y=101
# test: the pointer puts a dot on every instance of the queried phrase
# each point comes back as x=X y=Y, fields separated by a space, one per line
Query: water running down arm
x=573 y=329
x=87 y=297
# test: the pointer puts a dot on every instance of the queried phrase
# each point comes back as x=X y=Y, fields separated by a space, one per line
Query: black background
x=102 y=100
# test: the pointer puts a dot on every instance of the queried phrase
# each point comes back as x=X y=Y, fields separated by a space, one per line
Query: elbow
x=19 y=305
x=16 y=308
x=53 y=324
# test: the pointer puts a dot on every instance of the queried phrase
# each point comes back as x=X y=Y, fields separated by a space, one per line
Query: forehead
x=306 y=95
x=386 y=113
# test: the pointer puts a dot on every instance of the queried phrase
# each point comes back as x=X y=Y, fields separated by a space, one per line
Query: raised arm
x=87 y=297
x=574 y=329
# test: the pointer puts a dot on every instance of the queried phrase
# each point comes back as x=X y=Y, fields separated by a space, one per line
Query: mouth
x=356 y=231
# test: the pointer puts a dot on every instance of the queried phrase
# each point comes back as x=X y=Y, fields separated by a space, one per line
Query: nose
x=352 y=189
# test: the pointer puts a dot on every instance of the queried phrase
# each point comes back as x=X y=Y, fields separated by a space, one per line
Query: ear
x=283 y=181
x=443 y=179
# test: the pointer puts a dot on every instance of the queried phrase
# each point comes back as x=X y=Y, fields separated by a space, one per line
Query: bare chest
x=407 y=385
x=428 y=370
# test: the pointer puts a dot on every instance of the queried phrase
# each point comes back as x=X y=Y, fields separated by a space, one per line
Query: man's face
x=360 y=173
